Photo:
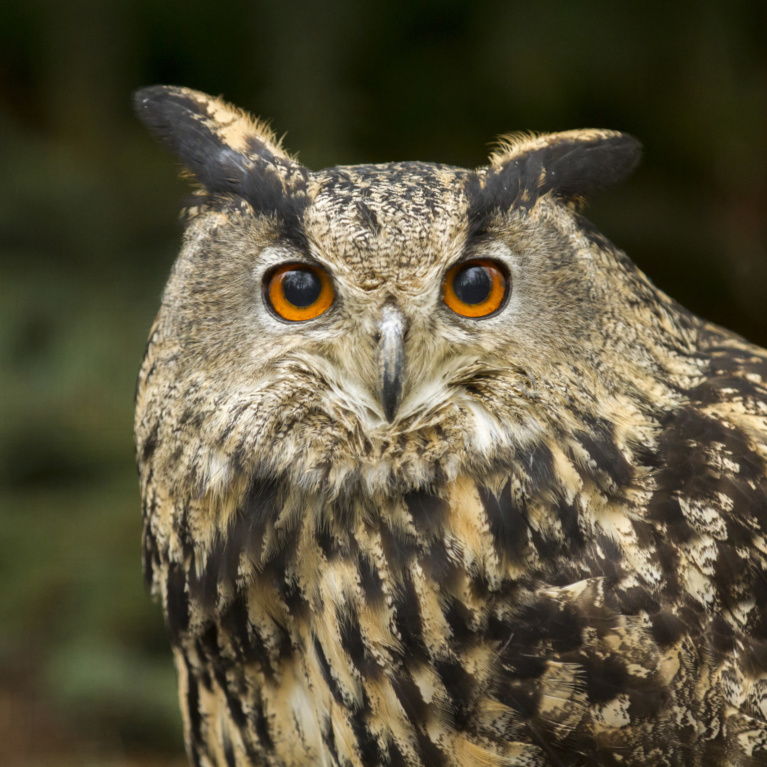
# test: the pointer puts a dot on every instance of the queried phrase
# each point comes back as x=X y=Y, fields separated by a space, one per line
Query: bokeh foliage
x=88 y=232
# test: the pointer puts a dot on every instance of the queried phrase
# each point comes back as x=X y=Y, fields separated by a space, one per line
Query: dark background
x=88 y=232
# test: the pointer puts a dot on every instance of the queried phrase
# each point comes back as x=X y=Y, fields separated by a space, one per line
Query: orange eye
x=475 y=288
x=299 y=292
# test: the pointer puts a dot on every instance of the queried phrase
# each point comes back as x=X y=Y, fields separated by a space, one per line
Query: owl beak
x=391 y=360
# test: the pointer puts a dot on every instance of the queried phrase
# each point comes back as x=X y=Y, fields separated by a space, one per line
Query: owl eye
x=299 y=292
x=475 y=288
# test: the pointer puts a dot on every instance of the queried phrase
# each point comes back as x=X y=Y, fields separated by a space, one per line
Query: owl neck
x=485 y=530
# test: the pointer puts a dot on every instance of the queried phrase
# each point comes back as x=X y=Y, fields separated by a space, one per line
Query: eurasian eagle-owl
x=433 y=475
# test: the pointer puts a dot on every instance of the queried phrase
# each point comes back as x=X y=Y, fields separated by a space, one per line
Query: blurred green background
x=88 y=232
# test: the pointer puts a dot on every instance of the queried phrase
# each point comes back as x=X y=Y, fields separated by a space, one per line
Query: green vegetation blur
x=88 y=232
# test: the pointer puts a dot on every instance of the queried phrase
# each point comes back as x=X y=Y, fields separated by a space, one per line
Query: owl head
x=388 y=324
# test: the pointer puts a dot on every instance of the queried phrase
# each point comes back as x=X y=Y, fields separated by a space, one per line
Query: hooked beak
x=391 y=360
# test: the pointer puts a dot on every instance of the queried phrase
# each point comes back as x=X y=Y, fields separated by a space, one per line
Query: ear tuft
x=188 y=121
x=225 y=149
x=572 y=164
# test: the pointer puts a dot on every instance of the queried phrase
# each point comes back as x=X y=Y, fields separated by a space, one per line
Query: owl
x=434 y=476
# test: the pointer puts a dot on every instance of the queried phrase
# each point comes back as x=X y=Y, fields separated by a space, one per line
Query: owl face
x=389 y=323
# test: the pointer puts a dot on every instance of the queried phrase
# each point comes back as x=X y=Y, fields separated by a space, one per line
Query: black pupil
x=301 y=287
x=472 y=284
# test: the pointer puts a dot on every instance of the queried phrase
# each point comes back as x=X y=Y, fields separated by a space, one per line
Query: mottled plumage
x=537 y=538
